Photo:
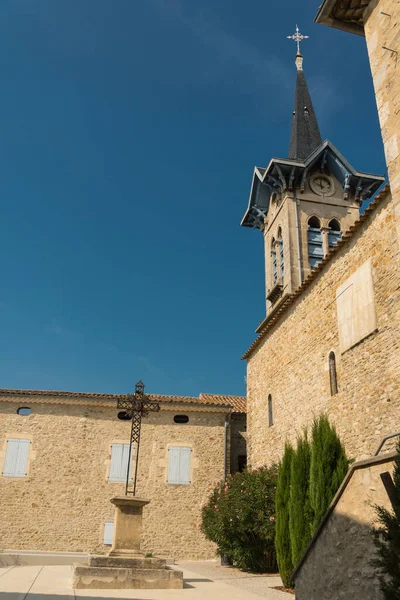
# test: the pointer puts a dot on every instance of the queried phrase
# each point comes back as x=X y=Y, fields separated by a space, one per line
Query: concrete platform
x=111 y=578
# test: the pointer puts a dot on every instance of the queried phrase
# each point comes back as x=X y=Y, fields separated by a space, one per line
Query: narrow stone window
x=270 y=412
x=181 y=419
x=315 y=247
x=281 y=256
x=274 y=261
x=334 y=234
x=333 y=373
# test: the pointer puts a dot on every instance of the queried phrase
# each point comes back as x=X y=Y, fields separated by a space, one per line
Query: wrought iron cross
x=298 y=37
x=136 y=406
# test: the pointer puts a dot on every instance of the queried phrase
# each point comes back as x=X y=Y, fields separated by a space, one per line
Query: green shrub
x=300 y=513
x=328 y=467
x=282 y=538
x=387 y=540
x=240 y=518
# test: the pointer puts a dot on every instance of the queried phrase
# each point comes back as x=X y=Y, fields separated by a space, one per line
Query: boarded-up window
x=355 y=304
x=16 y=460
x=119 y=462
x=108 y=533
x=179 y=464
x=270 y=412
x=333 y=374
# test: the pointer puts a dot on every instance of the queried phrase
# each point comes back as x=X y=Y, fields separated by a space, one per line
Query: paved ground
x=201 y=579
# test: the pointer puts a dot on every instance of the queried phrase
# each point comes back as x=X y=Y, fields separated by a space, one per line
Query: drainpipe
x=298 y=238
x=226 y=425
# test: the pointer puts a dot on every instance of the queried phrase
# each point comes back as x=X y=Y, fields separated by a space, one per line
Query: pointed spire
x=305 y=136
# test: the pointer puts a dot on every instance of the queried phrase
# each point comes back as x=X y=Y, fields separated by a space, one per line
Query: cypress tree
x=328 y=467
x=387 y=540
x=300 y=514
x=282 y=534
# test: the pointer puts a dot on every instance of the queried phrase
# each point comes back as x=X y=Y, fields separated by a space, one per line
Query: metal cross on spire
x=298 y=37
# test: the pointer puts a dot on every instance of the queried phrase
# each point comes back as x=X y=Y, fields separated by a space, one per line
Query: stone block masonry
x=63 y=502
x=291 y=360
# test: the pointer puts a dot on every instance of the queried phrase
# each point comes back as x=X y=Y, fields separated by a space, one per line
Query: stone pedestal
x=127 y=526
x=125 y=567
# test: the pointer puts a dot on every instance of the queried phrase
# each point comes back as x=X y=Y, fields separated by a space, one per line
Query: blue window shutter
x=108 y=533
x=315 y=249
x=173 y=465
x=119 y=462
x=16 y=460
x=334 y=237
x=179 y=464
x=184 y=465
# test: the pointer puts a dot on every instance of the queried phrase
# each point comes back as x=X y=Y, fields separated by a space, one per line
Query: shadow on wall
x=339 y=563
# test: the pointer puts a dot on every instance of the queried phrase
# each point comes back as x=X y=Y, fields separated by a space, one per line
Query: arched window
x=270 y=412
x=334 y=234
x=281 y=257
x=24 y=411
x=273 y=255
x=315 y=249
x=181 y=419
x=333 y=373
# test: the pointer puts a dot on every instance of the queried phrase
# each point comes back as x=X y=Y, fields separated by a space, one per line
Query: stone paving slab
x=203 y=580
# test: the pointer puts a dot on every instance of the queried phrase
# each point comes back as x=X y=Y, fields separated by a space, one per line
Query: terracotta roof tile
x=238 y=403
x=269 y=322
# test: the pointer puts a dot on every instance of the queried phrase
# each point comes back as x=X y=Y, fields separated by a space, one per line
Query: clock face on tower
x=322 y=184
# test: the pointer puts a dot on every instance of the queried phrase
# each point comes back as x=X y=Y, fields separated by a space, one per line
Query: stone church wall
x=382 y=33
x=291 y=362
x=64 y=501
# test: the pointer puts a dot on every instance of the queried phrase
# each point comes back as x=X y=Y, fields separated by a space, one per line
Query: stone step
x=127 y=562
x=11 y=558
x=122 y=578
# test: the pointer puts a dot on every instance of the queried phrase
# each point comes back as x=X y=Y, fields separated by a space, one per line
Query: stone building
x=330 y=339
x=64 y=455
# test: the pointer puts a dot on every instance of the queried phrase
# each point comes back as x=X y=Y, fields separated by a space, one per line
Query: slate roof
x=237 y=403
x=275 y=316
x=305 y=135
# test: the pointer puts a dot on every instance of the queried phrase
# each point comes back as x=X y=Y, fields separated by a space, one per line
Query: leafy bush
x=240 y=518
x=328 y=467
x=300 y=512
x=282 y=540
x=387 y=540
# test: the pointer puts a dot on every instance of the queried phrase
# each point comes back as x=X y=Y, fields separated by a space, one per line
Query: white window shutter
x=16 y=460
x=184 y=465
x=119 y=462
x=173 y=465
x=108 y=533
x=179 y=464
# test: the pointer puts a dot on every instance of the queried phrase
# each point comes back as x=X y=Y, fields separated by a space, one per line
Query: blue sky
x=128 y=135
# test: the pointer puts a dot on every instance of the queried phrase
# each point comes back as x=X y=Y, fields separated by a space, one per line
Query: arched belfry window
x=315 y=248
x=334 y=234
x=270 y=411
x=274 y=260
x=333 y=373
x=281 y=256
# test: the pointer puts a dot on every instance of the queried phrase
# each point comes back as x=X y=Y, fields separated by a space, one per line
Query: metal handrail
x=384 y=440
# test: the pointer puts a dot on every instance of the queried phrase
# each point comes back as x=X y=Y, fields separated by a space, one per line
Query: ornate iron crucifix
x=298 y=37
x=136 y=406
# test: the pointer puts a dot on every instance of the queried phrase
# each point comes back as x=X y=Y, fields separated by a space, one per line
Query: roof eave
x=324 y=17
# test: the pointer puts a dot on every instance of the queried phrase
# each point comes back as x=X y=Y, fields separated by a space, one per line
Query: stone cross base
x=125 y=567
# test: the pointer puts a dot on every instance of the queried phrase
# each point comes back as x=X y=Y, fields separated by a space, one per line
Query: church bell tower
x=303 y=203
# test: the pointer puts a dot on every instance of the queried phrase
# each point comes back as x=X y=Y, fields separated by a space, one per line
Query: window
x=242 y=462
x=16 y=460
x=108 y=533
x=333 y=373
x=181 y=419
x=334 y=234
x=274 y=265
x=119 y=462
x=270 y=412
x=315 y=249
x=24 y=411
x=281 y=257
x=179 y=464
x=124 y=416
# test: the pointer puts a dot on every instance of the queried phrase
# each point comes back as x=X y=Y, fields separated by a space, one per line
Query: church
x=329 y=341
